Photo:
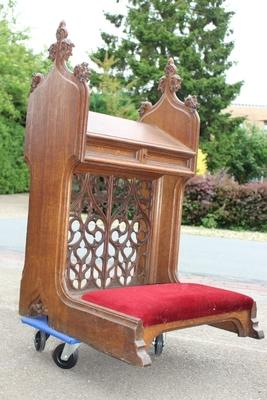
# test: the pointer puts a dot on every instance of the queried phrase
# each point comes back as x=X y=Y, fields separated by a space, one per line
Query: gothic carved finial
x=82 y=72
x=191 y=102
x=62 y=49
x=171 y=80
x=144 y=108
x=36 y=79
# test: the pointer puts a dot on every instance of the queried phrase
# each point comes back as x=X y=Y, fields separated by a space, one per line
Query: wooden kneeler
x=104 y=219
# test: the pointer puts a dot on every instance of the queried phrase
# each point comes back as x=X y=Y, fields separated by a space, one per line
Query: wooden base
x=244 y=323
x=124 y=337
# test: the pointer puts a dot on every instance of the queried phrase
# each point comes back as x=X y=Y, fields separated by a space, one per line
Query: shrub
x=220 y=202
x=198 y=199
x=243 y=153
x=17 y=63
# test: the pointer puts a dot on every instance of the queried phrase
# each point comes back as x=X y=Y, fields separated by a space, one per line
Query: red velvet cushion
x=160 y=303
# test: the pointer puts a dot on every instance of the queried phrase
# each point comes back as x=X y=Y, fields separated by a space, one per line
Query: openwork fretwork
x=109 y=229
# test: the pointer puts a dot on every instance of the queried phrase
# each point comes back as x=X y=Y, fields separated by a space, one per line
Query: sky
x=85 y=20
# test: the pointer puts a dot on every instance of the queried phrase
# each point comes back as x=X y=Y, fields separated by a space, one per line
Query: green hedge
x=13 y=169
x=17 y=64
x=218 y=202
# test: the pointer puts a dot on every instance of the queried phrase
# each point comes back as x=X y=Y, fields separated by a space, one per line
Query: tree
x=110 y=98
x=17 y=64
x=243 y=153
x=194 y=32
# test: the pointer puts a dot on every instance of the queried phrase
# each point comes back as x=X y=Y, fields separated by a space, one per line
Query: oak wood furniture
x=104 y=217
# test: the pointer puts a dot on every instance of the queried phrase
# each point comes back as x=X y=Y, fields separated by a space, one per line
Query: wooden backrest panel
x=179 y=119
x=109 y=231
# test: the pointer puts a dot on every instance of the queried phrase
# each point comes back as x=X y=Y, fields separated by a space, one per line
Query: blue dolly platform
x=65 y=354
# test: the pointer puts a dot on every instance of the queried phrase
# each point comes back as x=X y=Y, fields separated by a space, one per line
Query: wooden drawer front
x=139 y=158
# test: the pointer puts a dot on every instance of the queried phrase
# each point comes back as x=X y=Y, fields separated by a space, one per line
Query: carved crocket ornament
x=82 y=72
x=191 y=102
x=36 y=79
x=144 y=108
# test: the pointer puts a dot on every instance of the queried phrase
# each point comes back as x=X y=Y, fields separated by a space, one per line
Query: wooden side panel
x=167 y=229
x=181 y=121
x=55 y=139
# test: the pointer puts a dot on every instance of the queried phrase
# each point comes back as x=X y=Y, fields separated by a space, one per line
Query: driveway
x=223 y=257
x=201 y=363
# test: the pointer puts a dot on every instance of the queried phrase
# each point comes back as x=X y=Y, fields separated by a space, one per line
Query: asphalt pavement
x=221 y=257
x=197 y=363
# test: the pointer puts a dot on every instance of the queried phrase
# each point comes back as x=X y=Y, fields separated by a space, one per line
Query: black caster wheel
x=65 y=364
x=40 y=339
x=158 y=344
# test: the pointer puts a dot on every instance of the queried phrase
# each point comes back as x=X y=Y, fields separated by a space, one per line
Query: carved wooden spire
x=60 y=52
x=169 y=84
x=62 y=49
x=171 y=81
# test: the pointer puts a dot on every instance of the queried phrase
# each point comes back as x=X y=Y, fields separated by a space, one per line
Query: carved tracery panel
x=109 y=231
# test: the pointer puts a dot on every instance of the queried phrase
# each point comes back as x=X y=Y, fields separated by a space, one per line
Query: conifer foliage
x=195 y=33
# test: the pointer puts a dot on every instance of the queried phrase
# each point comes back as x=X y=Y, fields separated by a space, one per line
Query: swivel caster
x=158 y=344
x=65 y=355
x=39 y=340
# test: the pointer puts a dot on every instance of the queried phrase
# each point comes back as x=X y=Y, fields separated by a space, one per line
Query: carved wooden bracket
x=142 y=155
x=38 y=308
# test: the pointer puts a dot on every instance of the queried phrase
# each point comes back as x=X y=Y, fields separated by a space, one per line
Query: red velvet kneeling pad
x=167 y=302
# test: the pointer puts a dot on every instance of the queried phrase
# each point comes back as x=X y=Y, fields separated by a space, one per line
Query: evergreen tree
x=195 y=33
x=110 y=97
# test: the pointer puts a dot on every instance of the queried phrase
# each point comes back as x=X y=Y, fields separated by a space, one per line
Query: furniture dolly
x=104 y=221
